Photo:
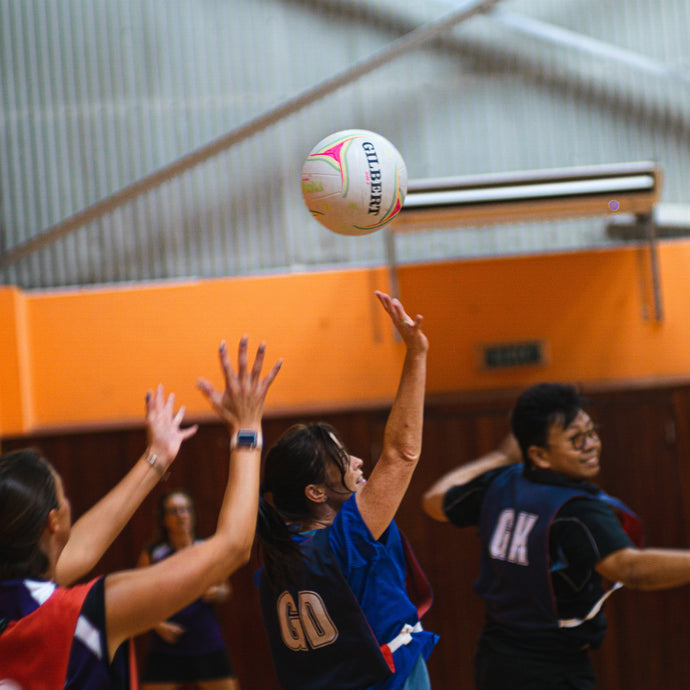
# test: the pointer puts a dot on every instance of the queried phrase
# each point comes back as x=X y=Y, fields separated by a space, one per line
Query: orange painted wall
x=85 y=358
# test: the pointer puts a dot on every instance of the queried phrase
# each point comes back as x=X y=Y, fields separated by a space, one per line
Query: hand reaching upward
x=410 y=329
x=241 y=404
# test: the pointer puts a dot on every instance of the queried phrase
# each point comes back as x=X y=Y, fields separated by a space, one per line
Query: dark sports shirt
x=583 y=532
x=88 y=667
x=89 y=670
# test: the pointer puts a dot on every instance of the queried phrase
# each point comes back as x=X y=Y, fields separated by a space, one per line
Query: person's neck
x=315 y=523
x=53 y=551
x=180 y=541
x=322 y=516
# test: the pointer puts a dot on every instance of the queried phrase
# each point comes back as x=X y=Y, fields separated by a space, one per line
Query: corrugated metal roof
x=97 y=95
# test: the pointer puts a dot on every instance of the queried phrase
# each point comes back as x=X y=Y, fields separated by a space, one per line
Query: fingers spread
x=258 y=360
x=179 y=416
x=225 y=363
x=190 y=431
x=242 y=356
x=205 y=386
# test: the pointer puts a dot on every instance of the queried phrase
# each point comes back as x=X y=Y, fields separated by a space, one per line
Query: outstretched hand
x=163 y=430
x=410 y=330
x=241 y=404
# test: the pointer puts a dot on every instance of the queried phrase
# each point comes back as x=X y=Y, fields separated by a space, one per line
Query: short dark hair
x=27 y=495
x=538 y=408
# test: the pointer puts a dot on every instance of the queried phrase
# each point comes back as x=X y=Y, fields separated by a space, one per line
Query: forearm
x=230 y=546
x=402 y=439
x=647 y=569
x=432 y=501
x=238 y=513
x=469 y=471
x=136 y=600
x=95 y=530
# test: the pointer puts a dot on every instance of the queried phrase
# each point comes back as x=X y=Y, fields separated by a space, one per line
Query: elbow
x=237 y=554
x=405 y=457
x=244 y=553
x=432 y=505
x=235 y=558
x=628 y=568
x=632 y=578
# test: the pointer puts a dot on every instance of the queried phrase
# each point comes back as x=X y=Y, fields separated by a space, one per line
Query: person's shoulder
x=587 y=525
x=351 y=540
x=585 y=504
x=589 y=511
x=348 y=516
x=349 y=526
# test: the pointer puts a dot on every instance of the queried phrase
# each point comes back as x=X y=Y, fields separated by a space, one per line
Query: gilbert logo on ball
x=354 y=182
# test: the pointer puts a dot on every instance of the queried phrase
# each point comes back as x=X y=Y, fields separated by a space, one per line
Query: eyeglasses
x=178 y=510
x=579 y=440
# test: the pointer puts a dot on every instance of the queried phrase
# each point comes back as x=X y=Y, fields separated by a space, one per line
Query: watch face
x=246 y=439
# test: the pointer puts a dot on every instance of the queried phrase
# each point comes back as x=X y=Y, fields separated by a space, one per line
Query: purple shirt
x=202 y=633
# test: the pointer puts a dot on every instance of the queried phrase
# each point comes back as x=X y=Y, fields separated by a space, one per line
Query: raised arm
x=380 y=497
x=136 y=600
x=508 y=453
x=96 y=529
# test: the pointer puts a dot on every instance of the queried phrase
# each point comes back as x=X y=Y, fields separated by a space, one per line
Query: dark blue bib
x=516 y=517
x=318 y=635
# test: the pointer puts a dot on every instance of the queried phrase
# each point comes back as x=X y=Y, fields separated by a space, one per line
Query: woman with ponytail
x=335 y=585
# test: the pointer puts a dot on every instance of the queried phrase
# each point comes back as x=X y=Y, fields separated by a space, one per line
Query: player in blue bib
x=550 y=539
x=342 y=595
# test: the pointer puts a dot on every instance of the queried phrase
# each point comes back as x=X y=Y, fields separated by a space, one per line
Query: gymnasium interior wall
x=645 y=429
x=76 y=365
x=85 y=357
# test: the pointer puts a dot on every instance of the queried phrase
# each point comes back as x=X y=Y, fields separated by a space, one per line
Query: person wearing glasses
x=550 y=539
x=187 y=647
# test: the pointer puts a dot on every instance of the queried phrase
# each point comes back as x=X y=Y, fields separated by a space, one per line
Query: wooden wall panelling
x=645 y=462
x=648 y=634
x=454 y=433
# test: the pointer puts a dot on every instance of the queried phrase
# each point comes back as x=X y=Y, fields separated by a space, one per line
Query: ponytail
x=281 y=555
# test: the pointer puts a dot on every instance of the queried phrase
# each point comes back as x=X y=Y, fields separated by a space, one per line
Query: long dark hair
x=27 y=495
x=299 y=458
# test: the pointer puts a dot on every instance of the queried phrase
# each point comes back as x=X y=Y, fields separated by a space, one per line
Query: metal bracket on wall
x=616 y=190
x=652 y=269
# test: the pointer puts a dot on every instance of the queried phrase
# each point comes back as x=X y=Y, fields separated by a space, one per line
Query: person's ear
x=539 y=457
x=53 y=522
x=315 y=493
